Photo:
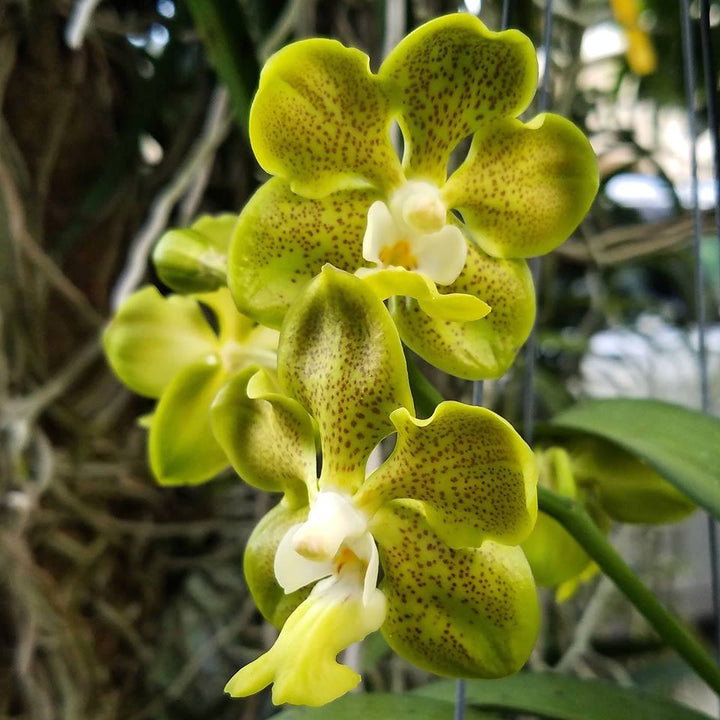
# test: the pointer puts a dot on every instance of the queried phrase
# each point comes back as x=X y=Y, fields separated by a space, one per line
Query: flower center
x=400 y=255
x=420 y=206
x=333 y=518
x=411 y=232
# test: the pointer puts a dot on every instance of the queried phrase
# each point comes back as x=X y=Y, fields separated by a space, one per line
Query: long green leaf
x=682 y=445
x=561 y=697
x=383 y=706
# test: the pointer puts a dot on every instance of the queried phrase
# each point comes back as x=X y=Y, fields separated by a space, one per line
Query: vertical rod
x=689 y=70
x=528 y=411
x=505 y=18
x=712 y=110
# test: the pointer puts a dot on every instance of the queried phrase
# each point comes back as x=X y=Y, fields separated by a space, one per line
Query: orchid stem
x=573 y=517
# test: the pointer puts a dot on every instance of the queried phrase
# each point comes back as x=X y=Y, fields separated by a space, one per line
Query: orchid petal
x=524 y=188
x=268 y=438
x=183 y=449
x=388 y=282
x=483 y=348
x=259 y=561
x=460 y=613
x=341 y=358
x=282 y=240
x=320 y=119
x=152 y=338
x=475 y=476
x=449 y=76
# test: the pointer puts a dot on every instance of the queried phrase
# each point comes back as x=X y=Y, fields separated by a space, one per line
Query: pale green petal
x=627 y=489
x=194 y=259
x=183 y=450
x=282 y=241
x=450 y=76
x=483 y=348
x=524 y=187
x=341 y=358
x=232 y=325
x=259 y=560
x=320 y=120
x=459 y=613
x=553 y=554
x=476 y=477
x=555 y=557
x=398 y=281
x=268 y=437
x=152 y=338
x=302 y=663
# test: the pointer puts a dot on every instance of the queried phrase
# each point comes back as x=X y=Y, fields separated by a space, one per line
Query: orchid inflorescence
x=425 y=547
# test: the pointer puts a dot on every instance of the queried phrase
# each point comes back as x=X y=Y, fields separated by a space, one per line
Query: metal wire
x=689 y=70
x=712 y=110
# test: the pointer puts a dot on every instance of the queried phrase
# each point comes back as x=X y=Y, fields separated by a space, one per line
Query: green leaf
x=560 y=697
x=682 y=445
x=382 y=706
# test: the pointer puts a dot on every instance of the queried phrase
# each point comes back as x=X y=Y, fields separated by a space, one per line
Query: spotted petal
x=460 y=613
x=524 y=187
x=475 y=476
x=484 y=348
x=320 y=120
x=268 y=437
x=398 y=281
x=282 y=241
x=152 y=338
x=272 y=601
x=447 y=78
x=183 y=449
x=341 y=357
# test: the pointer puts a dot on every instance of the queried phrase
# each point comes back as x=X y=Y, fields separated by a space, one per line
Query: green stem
x=221 y=26
x=573 y=517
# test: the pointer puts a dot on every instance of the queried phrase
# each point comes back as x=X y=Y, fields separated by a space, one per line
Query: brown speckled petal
x=450 y=76
x=459 y=613
x=483 y=348
x=524 y=187
x=476 y=477
x=268 y=438
x=282 y=240
x=259 y=560
x=320 y=120
x=341 y=358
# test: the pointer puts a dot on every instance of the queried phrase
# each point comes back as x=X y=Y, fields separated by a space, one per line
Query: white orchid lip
x=411 y=232
x=333 y=542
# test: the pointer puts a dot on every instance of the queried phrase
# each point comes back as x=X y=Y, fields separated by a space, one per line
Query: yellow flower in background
x=640 y=51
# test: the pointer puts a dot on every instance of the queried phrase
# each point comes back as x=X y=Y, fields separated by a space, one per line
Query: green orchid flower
x=556 y=559
x=626 y=488
x=446 y=249
x=612 y=484
x=164 y=348
x=443 y=515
